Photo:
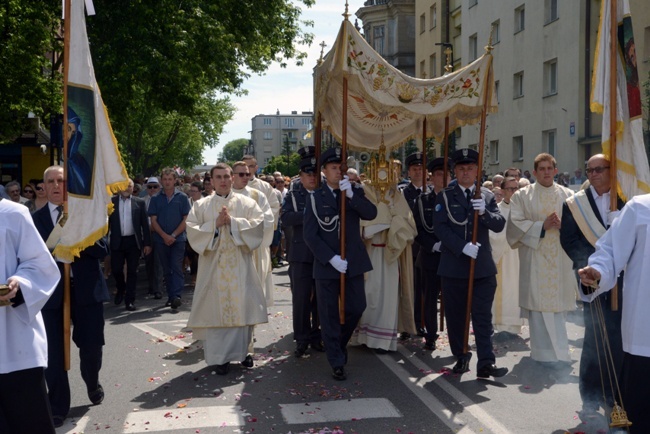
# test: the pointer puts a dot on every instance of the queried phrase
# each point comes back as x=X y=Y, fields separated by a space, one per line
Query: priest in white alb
x=547 y=285
x=261 y=255
x=389 y=285
x=228 y=301
x=506 y=313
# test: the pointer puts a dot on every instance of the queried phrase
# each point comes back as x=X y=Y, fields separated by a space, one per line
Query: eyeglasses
x=39 y=188
x=599 y=169
x=153 y=187
x=28 y=191
x=242 y=174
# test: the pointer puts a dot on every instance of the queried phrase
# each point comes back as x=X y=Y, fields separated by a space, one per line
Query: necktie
x=337 y=194
x=59 y=211
x=468 y=194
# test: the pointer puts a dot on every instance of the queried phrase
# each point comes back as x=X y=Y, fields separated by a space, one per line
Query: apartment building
x=269 y=134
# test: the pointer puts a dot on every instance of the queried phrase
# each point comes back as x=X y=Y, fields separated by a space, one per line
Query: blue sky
x=290 y=88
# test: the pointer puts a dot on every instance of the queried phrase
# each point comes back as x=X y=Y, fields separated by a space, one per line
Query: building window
x=289 y=122
x=268 y=135
x=520 y=19
x=378 y=39
x=548 y=137
x=306 y=121
x=550 y=77
x=496 y=29
x=550 y=10
x=496 y=90
x=423 y=69
x=646 y=44
x=423 y=20
x=433 y=11
x=494 y=151
x=518 y=90
x=433 y=66
x=267 y=121
x=473 y=43
x=518 y=148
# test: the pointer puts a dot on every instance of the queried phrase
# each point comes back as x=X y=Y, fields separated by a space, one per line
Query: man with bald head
x=585 y=218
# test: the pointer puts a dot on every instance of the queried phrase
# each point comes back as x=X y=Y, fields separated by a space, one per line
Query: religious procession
x=405 y=256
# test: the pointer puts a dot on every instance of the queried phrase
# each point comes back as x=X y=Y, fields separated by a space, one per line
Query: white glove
x=341 y=265
x=611 y=216
x=478 y=205
x=471 y=250
x=346 y=186
x=437 y=246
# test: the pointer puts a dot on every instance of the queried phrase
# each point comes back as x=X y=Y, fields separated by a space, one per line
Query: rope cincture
x=323 y=224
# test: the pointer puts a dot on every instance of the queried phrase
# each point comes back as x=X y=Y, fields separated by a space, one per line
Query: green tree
x=279 y=163
x=27 y=32
x=233 y=150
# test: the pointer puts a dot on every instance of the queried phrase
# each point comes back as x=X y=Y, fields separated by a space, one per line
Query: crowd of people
x=512 y=248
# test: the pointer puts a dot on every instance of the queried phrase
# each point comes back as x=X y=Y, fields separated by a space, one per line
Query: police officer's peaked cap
x=308 y=164
x=307 y=151
x=332 y=155
x=415 y=158
x=465 y=156
x=438 y=164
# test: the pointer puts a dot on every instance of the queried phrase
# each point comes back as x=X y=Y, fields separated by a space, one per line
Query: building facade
x=543 y=61
x=270 y=134
x=389 y=26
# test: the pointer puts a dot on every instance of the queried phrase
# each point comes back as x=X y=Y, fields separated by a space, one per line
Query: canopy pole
x=317 y=144
x=66 y=266
x=477 y=195
x=425 y=173
x=344 y=156
x=445 y=169
x=613 y=95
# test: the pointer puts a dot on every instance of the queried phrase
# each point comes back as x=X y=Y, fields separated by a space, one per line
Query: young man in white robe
x=224 y=229
x=31 y=276
x=506 y=313
x=547 y=285
x=261 y=255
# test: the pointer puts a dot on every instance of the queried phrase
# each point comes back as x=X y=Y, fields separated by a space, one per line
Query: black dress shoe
x=429 y=345
x=301 y=350
x=119 y=298
x=461 y=366
x=318 y=346
x=130 y=307
x=247 y=362
x=491 y=371
x=338 y=373
x=96 y=396
x=57 y=421
x=422 y=332
x=223 y=369
x=176 y=303
x=404 y=336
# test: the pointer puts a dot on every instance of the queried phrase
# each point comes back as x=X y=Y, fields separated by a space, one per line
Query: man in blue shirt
x=168 y=211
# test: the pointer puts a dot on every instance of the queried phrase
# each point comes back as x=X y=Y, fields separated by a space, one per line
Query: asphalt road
x=156 y=381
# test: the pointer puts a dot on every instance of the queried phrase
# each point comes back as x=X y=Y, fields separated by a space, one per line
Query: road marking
x=433 y=404
x=74 y=426
x=183 y=419
x=329 y=411
x=468 y=405
x=145 y=327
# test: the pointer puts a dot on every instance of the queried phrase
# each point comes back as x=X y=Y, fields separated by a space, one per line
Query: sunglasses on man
x=153 y=187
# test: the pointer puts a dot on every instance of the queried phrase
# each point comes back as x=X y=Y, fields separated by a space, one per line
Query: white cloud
x=285 y=89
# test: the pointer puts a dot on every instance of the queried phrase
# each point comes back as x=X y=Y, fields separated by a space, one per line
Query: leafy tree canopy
x=233 y=151
x=27 y=32
x=279 y=163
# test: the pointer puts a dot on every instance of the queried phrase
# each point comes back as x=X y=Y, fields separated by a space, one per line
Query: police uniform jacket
x=411 y=193
x=423 y=213
x=322 y=237
x=292 y=217
x=453 y=224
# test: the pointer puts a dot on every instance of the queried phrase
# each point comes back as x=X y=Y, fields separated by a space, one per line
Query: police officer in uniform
x=453 y=225
x=411 y=192
x=321 y=232
x=306 y=328
x=428 y=257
